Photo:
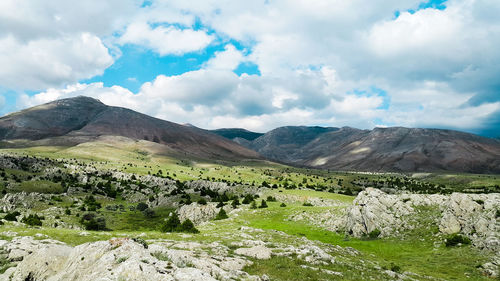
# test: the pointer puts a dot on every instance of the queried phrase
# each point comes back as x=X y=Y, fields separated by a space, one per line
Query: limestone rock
x=258 y=252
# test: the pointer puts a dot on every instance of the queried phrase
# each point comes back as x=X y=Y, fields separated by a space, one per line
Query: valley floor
x=300 y=235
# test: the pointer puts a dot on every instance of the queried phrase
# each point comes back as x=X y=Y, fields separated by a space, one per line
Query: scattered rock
x=258 y=252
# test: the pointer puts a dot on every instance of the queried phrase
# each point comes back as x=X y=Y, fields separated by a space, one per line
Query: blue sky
x=261 y=64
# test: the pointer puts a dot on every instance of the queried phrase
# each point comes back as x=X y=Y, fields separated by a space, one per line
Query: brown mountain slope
x=382 y=149
x=80 y=119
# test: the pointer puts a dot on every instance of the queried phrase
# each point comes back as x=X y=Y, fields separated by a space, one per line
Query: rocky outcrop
x=118 y=259
x=199 y=213
x=12 y=201
x=474 y=215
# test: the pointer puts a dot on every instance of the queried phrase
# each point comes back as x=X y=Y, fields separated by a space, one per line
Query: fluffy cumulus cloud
x=358 y=63
x=166 y=40
x=46 y=62
x=51 y=43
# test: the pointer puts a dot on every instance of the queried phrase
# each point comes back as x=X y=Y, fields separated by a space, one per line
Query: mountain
x=381 y=149
x=236 y=133
x=81 y=119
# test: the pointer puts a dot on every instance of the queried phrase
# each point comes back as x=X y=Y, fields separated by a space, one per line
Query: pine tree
x=221 y=215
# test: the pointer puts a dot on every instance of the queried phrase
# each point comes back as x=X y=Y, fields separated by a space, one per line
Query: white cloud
x=166 y=40
x=436 y=66
x=229 y=59
x=43 y=63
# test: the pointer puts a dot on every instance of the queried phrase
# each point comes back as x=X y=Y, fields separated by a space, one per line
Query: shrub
x=149 y=213
x=172 y=224
x=220 y=204
x=455 y=239
x=263 y=204
x=67 y=212
x=307 y=204
x=395 y=268
x=283 y=205
x=11 y=216
x=141 y=206
x=248 y=199
x=141 y=241
x=1 y=223
x=253 y=205
x=202 y=201
x=221 y=215
x=91 y=222
x=374 y=234
x=188 y=226
x=235 y=203
x=271 y=199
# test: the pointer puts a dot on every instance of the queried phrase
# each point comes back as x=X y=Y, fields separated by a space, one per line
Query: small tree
x=235 y=203
x=141 y=206
x=263 y=204
x=202 y=201
x=33 y=220
x=149 y=213
x=253 y=205
x=374 y=233
x=220 y=204
x=172 y=224
x=11 y=216
x=188 y=226
x=283 y=205
x=248 y=199
x=91 y=222
x=221 y=215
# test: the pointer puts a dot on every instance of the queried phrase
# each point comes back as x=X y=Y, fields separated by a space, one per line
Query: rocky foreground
x=136 y=259
x=225 y=255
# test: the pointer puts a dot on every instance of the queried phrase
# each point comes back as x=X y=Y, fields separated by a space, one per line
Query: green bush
x=221 y=215
x=374 y=234
x=91 y=222
x=202 y=201
x=307 y=204
x=263 y=204
x=283 y=205
x=253 y=205
x=248 y=199
x=188 y=226
x=141 y=241
x=172 y=224
x=235 y=203
x=11 y=216
x=395 y=268
x=456 y=239
x=149 y=213
x=33 y=220
x=271 y=199
x=141 y=206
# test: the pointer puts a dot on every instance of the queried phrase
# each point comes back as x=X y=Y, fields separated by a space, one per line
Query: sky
x=261 y=64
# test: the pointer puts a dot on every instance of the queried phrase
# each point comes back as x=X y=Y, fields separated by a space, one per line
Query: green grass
x=40 y=186
x=410 y=254
x=415 y=252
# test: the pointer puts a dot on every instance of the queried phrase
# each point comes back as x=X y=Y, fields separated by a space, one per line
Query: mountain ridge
x=393 y=149
x=79 y=119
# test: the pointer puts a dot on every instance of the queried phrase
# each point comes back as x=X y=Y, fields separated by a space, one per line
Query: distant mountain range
x=77 y=120
x=82 y=119
x=381 y=149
